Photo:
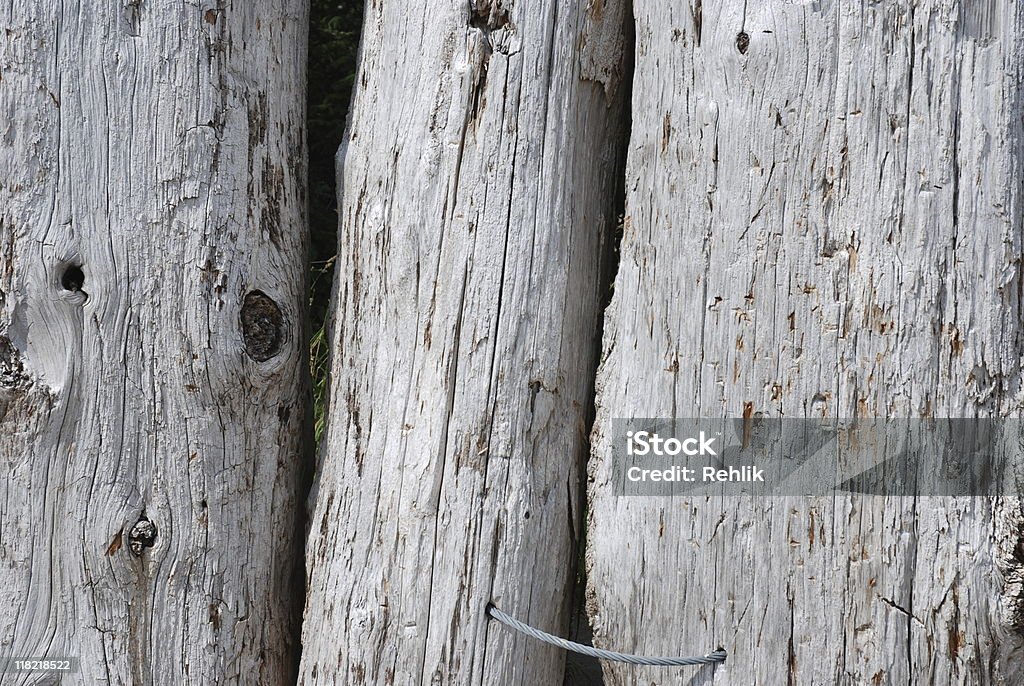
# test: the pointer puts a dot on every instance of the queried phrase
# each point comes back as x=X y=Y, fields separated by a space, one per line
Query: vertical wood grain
x=477 y=188
x=152 y=406
x=823 y=218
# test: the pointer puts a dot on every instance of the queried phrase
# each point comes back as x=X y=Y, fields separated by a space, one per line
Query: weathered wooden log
x=152 y=344
x=823 y=218
x=477 y=191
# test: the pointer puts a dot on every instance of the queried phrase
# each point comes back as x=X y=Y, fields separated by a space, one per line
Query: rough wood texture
x=153 y=171
x=823 y=218
x=477 y=183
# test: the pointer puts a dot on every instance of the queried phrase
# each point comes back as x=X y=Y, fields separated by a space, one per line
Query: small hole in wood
x=742 y=42
x=73 y=278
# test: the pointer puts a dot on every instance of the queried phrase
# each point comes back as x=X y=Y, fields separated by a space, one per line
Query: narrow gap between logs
x=582 y=670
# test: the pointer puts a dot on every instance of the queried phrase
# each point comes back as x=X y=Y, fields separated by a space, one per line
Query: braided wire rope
x=526 y=629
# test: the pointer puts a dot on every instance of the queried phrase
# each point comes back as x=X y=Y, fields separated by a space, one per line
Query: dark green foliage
x=334 y=29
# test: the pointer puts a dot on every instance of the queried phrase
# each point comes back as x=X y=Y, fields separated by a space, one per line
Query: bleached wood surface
x=477 y=184
x=158 y=146
x=826 y=222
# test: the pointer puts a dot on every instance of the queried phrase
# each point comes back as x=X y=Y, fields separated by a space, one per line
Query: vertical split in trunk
x=583 y=670
x=334 y=30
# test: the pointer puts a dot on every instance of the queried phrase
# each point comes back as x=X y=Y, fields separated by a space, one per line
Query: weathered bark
x=478 y=182
x=823 y=219
x=153 y=164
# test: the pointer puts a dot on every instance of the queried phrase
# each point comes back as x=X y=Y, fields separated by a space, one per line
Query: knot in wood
x=262 y=324
x=742 y=42
x=142 y=535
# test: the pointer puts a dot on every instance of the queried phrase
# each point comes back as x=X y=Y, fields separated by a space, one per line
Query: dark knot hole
x=742 y=42
x=73 y=278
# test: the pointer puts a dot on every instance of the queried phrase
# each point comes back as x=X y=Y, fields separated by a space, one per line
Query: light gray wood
x=826 y=223
x=160 y=146
x=478 y=180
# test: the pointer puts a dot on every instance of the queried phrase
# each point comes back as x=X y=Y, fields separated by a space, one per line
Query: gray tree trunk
x=152 y=397
x=823 y=218
x=478 y=181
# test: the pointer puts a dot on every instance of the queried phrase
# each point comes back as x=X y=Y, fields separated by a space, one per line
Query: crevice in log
x=334 y=34
x=582 y=670
x=335 y=30
x=1009 y=537
x=487 y=15
x=698 y=21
